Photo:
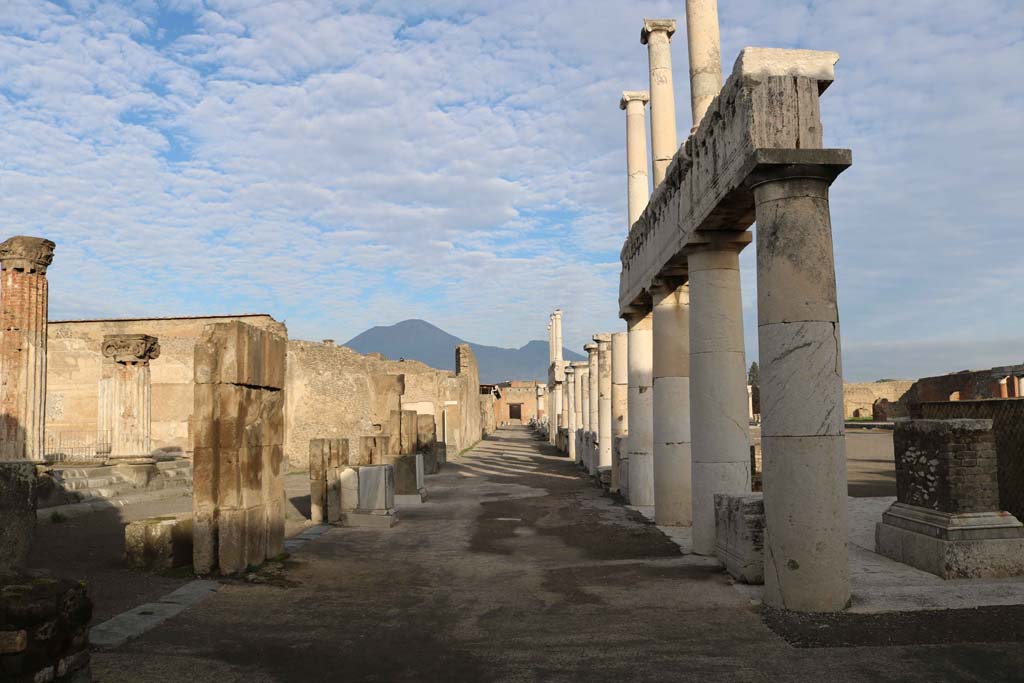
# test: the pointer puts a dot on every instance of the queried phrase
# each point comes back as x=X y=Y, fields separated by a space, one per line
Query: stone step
x=67 y=473
x=89 y=505
x=81 y=484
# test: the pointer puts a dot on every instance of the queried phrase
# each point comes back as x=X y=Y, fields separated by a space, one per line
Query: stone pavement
x=518 y=569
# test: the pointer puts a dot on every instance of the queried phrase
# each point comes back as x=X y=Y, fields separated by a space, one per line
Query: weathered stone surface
x=158 y=543
x=376 y=507
x=18 y=497
x=372 y=450
x=238 y=492
x=327 y=459
x=406 y=473
x=739 y=534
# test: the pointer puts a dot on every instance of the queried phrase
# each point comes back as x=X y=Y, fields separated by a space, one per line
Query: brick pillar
x=127 y=393
x=24 y=296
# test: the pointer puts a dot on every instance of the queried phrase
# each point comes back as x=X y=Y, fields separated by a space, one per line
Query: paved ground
x=519 y=570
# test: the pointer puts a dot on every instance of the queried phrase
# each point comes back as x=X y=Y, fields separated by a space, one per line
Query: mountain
x=419 y=340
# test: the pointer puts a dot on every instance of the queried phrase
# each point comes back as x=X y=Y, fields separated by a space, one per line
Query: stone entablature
x=767 y=115
x=131 y=348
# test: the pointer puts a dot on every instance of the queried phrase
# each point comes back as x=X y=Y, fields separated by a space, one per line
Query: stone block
x=18 y=498
x=349 y=489
x=236 y=353
x=370 y=520
x=275 y=526
x=204 y=540
x=405 y=472
x=739 y=536
x=426 y=432
x=376 y=488
x=255 y=535
x=158 y=543
x=231 y=539
x=372 y=450
x=409 y=425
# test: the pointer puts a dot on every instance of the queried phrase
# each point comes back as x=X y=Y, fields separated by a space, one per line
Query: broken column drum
x=671 y=387
x=126 y=393
x=718 y=383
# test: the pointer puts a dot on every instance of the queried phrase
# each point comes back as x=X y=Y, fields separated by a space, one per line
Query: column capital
x=590 y=348
x=30 y=254
x=603 y=338
x=641 y=96
x=665 y=284
x=773 y=165
x=657 y=25
x=718 y=240
x=131 y=349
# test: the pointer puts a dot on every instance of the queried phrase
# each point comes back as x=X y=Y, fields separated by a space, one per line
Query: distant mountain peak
x=421 y=340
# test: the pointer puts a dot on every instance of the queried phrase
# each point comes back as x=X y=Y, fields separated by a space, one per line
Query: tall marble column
x=593 y=378
x=671 y=376
x=637 y=184
x=604 y=406
x=541 y=398
x=25 y=300
x=802 y=438
x=130 y=393
x=579 y=406
x=641 y=409
x=619 y=405
x=718 y=382
x=570 y=400
x=23 y=309
x=657 y=36
x=705 y=56
x=584 y=414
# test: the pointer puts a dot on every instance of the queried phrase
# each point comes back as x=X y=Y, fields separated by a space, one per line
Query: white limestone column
x=671 y=378
x=620 y=407
x=604 y=389
x=802 y=440
x=570 y=398
x=556 y=414
x=637 y=184
x=556 y=319
x=718 y=384
x=593 y=379
x=578 y=405
x=130 y=393
x=657 y=36
x=705 y=56
x=540 y=402
x=641 y=409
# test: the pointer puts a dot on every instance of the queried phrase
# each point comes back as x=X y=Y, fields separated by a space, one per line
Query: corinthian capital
x=132 y=349
x=30 y=254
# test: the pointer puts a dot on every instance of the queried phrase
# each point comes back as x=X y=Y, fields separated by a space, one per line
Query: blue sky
x=343 y=164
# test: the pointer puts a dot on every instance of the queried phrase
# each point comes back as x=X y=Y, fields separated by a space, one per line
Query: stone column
x=129 y=392
x=802 y=442
x=604 y=390
x=25 y=299
x=671 y=378
x=640 y=409
x=556 y=320
x=657 y=36
x=570 y=400
x=636 y=152
x=1004 y=389
x=619 y=406
x=718 y=385
x=593 y=378
x=540 y=402
x=705 y=56
x=579 y=407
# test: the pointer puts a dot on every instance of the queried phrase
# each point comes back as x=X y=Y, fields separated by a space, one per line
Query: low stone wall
x=44 y=629
x=1007 y=417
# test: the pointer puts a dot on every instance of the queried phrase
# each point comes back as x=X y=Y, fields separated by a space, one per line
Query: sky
x=342 y=164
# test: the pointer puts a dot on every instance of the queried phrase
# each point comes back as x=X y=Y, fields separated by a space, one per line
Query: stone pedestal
x=657 y=35
x=376 y=499
x=126 y=394
x=739 y=545
x=801 y=388
x=947 y=520
x=640 y=443
x=409 y=477
x=24 y=301
x=158 y=544
x=671 y=377
x=718 y=394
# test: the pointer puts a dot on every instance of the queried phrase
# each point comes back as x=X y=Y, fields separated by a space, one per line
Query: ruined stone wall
x=467 y=386
x=512 y=393
x=75 y=369
x=969 y=385
x=859 y=397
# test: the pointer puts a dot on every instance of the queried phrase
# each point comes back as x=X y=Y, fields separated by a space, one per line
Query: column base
x=952 y=546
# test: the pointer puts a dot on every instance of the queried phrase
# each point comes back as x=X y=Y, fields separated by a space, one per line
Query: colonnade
x=660 y=413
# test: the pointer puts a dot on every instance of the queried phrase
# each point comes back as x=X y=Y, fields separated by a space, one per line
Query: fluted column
x=25 y=300
x=657 y=36
x=671 y=376
x=718 y=382
x=619 y=405
x=130 y=392
x=593 y=379
x=641 y=409
x=802 y=437
x=705 y=56
x=637 y=184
